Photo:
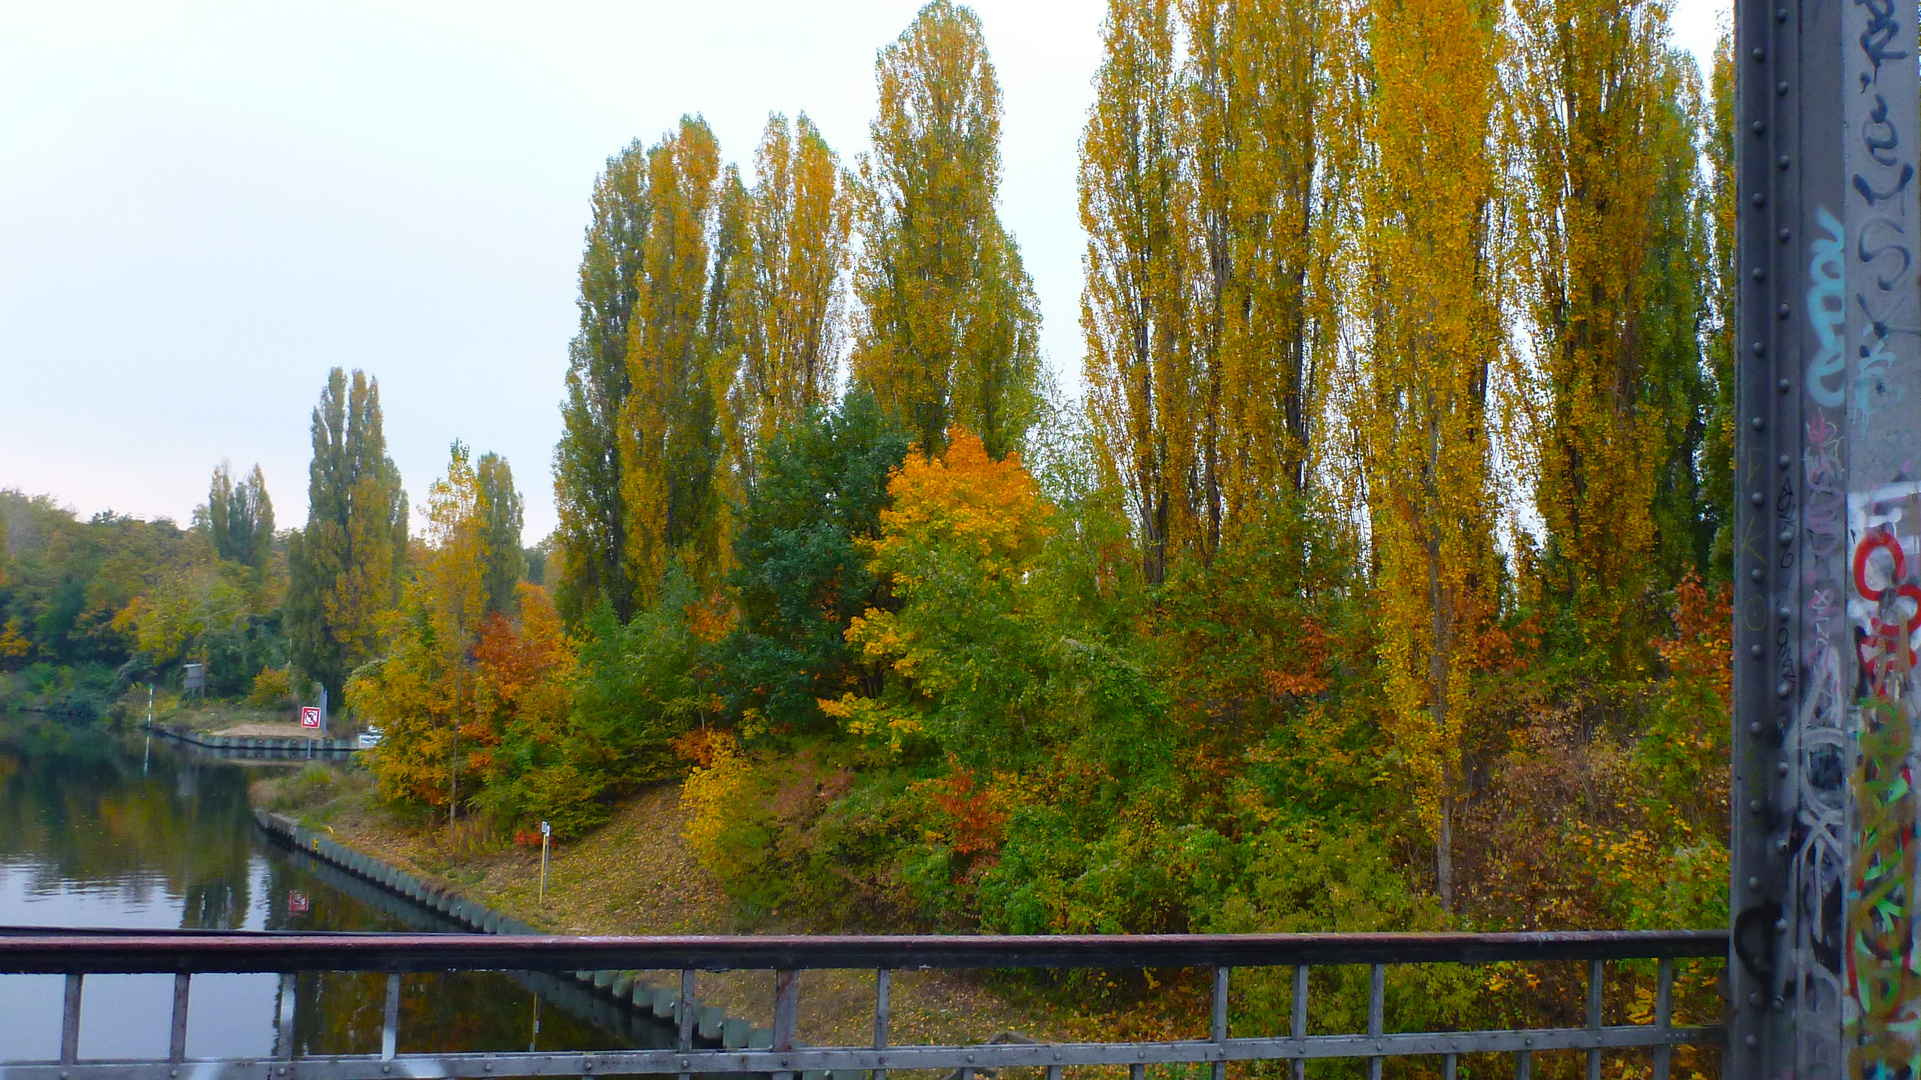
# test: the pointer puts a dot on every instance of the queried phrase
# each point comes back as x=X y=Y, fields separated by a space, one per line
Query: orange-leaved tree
x=958 y=541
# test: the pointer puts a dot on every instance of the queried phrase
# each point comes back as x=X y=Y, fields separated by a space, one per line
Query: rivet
x=1781 y=162
x=1758 y=55
x=1786 y=537
x=783 y=1061
x=1784 y=613
x=1780 y=1002
x=1754 y=806
x=1754 y=727
x=173 y=1072
x=1785 y=237
x=1780 y=689
x=970 y=1057
x=1781 y=89
x=1759 y=127
x=1784 y=386
x=1758 y=273
x=488 y=1066
x=1754 y=651
x=1780 y=926
x=1057 y=1055
x=1528 y=1041
x=1784 y=461
x=1756 y=574
x=683 y=1063
x=1757 y=422
x=1784 y=311
x=1780 y=14
x=386 y=1068
x=1754 y=883
x=1757 y=498
x=1754 y=998
x=588 y=1067
x=1782 y=768
x=1137 y=1053
x=1751 y=1041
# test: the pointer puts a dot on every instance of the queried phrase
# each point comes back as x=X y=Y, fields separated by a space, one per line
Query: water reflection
x=104 y=829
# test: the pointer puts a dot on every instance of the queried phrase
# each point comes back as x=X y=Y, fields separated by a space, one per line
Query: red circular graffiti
x=1877 y=539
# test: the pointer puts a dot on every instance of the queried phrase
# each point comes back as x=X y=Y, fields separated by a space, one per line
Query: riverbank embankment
x=635 y=875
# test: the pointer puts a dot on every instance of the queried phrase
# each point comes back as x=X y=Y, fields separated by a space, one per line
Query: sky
x=205 y=205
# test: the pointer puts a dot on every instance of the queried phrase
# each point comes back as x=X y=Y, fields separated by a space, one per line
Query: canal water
x=106 y=828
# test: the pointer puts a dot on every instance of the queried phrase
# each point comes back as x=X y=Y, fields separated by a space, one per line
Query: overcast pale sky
x=205 y=205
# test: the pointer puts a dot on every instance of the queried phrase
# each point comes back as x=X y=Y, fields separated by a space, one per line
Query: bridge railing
x=185 y=954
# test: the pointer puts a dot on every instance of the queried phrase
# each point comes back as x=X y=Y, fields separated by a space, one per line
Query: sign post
x=546 y=833
x=1825 y=970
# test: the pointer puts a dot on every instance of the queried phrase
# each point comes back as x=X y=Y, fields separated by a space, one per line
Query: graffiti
x=1827 y=309
x=1878 y=36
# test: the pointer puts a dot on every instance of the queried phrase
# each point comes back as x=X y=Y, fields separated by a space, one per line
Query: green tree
x=590 y=542
x=347 y=566
x=949 y=327
x=501 y=519
x=239 y=517
x=800 y=576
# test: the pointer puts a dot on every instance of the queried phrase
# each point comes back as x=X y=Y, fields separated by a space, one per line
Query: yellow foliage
x=1434 y=332
x=711 y=796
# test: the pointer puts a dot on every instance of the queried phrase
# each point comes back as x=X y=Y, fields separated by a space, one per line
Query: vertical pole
x=1376 y=1014
x=1297 y=1025
x=883 y=1009
x=177 y=1034
x=1595 y=970
x=1663 y=1016
x=70 y=1021
x=684 y=1009
x=546 y=835
x=283 y=1048
x=1218 y=1030
x=390 y=1020
x=786 y=1013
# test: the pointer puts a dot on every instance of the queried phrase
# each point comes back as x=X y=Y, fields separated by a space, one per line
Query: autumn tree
x=1135 y=305
x=1608 y=257
x=671 y=446
x=239 y=517
x=590 y=541
x=789 y=288
x=1433 y=330
x=347 y=565
x=501 y=516
x=1262 y=104
x=1717 y=207
x=949 y=326
x=422 y=692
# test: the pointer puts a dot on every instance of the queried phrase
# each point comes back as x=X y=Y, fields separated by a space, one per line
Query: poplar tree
x=346 y=567
x=671 y=446
x=788 y=296
x=1134 y=303
x=1427 y=299
x=590 y=541
x=501 y=515
x=1719 y=202
x=949 y=326
x=239 y=517
x=1609 y=258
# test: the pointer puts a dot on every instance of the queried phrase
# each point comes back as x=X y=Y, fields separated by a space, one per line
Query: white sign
x=310 y=716
x=546 y=829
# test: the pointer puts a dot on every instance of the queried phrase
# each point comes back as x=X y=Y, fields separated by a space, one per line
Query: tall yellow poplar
x=670 y=446
x=1600 y=125
x=1431 y=333
x=789 y=291
x=1134 y=303
x=949 y=327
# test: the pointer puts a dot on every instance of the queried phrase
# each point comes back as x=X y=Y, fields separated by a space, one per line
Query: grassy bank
x=635 y=875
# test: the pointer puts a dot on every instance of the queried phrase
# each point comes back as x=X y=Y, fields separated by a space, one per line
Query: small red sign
x=309 y=716
x=297 y=903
